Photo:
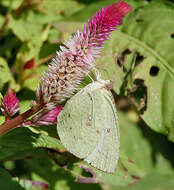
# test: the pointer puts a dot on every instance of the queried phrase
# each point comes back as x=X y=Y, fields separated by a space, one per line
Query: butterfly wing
x=88 y=128
x=75 y=125
x=106 y=153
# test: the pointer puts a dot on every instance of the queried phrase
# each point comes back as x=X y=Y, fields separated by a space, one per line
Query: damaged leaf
x=139 y=61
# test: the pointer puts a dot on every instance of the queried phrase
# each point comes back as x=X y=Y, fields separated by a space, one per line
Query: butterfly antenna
x=105 y=70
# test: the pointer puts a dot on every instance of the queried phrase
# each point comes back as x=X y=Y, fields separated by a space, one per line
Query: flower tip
x=11 y=96
x=115 y=13
x=122 y=7
x=118 y=10
x=10 y=103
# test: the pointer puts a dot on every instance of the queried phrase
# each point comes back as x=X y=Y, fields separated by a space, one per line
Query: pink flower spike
x=77 y=56
x=47 y=118
x=99 y=27
x=10 y=104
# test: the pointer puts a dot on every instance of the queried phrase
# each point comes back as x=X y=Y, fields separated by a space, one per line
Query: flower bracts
x=76 y=57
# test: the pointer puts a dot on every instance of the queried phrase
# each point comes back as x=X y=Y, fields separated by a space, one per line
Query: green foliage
x=151 y=182
x=7 y=182
x=138 y=59
x=13 y=147
x=142 y=56
x=5 y=75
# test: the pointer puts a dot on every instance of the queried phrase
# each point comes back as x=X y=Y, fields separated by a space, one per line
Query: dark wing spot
x=88 y=124
x=108 y=130
x=139 y=20
x=90 y=96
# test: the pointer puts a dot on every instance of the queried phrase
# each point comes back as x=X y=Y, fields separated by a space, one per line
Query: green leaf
x=2 y=119
x=7 y=182
x=21 y=142
x=60 y=8
x=120 y=177
x=25 y=96
x=12 y=4
x=33 y=82
x=32 y=185
x=139 y=61
x=151 y=182
x=67 y=28
x=45 y=169
x=24 y=30
x=136 y=147
x=43 y=18
x=30 y=50
x=24 y=105
x=5 y=75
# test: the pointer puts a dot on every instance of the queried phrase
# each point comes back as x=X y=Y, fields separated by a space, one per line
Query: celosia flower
x=46 y=117
x=76 y=57
x=9 y=105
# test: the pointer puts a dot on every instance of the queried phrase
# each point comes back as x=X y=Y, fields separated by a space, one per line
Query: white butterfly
x=88 y=126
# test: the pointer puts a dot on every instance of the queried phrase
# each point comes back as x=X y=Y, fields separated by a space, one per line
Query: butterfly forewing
x=75 y=125
x=88 y=127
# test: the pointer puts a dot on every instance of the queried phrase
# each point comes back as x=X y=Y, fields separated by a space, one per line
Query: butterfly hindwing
x=88 y=127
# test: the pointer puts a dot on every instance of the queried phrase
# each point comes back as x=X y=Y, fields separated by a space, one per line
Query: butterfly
x=88 y=126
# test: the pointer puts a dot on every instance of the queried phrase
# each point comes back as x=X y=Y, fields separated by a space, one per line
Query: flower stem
x=13 y=123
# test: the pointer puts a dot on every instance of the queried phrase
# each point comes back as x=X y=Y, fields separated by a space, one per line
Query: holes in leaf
x=139 y=59
x=121 y=59
x=139 y=95
x=172 y=35
x=139 y=20
x=119 y=62
x=125 y=52
x=154 y=70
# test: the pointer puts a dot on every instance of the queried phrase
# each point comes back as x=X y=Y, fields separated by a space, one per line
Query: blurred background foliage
x=139 y=59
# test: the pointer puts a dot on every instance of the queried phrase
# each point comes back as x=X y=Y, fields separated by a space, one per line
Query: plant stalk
x=15 y=122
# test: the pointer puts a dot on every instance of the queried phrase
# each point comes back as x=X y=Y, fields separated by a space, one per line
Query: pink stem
x=13 y=123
